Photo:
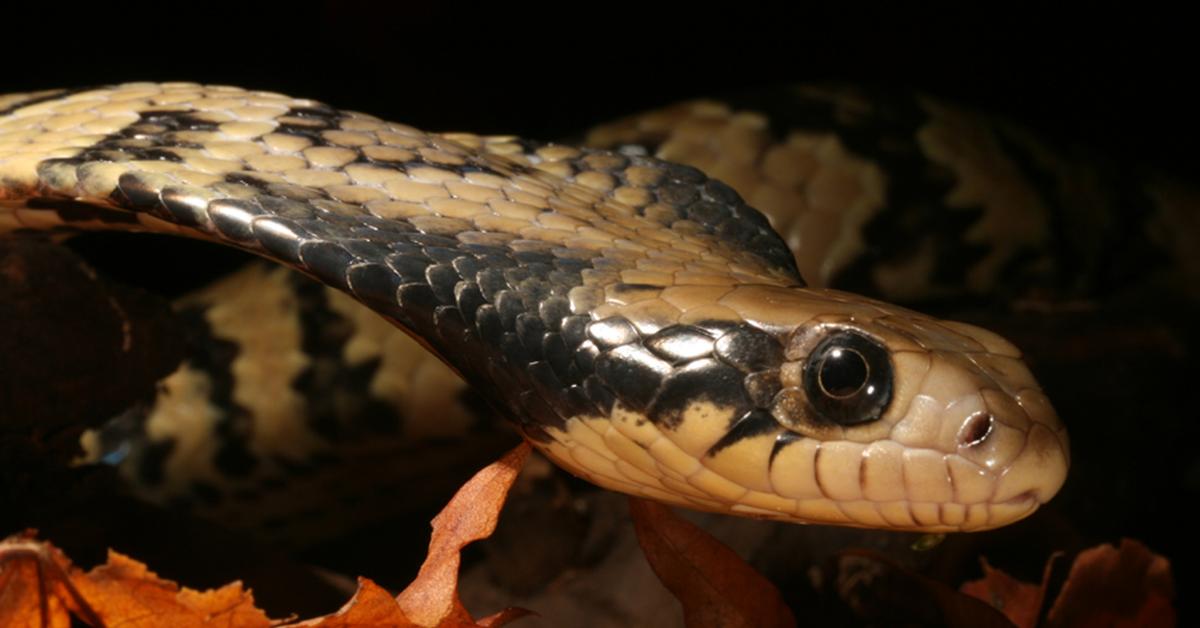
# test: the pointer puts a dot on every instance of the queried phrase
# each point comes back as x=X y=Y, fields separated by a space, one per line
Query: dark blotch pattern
x=498 y=308
x=337 y=395
x=214 y=356
x=634 y=372
x=699 y=380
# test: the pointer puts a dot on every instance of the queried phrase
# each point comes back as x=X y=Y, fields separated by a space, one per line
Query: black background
x=1117 y=79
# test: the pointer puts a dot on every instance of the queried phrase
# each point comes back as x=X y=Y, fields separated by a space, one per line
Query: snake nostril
x=976 y=429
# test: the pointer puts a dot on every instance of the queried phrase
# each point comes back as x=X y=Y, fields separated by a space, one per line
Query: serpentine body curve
x=637 y=321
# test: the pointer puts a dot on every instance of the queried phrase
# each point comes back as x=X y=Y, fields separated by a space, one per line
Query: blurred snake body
x=637 y=321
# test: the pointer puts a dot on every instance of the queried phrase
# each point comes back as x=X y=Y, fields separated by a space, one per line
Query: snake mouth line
x=1029 y=497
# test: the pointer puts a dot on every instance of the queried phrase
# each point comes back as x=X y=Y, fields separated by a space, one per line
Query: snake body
x=635 y=319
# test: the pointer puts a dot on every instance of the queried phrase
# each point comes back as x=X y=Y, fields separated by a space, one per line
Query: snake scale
x=635 y=319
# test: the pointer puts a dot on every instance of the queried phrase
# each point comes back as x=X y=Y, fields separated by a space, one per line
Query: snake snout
x=1020 y=443
x=1040 y=467
x=1006 y=447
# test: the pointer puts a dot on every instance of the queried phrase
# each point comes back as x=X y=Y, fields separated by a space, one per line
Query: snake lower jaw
x=1008 y=512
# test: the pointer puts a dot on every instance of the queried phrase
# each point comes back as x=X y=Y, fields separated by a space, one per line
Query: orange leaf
x=373 y=607
x=32 y=591
x=715 y=586
x=39 y=586
x=432 y=598
x=43 y=587
x=124 y=591
x=370 y=606
x=1021 y=602
x=1108 y=586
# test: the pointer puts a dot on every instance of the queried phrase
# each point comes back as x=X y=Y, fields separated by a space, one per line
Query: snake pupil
x=843 y=372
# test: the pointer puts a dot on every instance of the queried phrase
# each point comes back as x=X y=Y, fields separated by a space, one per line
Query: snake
x=634 y=319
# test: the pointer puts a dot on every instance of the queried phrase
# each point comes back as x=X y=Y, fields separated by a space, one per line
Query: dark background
x=1116 y=79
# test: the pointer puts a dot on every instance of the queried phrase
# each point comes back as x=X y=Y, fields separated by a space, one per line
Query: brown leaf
x=432 y=598
x=60 y=376
x=1021 y=602
x=40 y=587
x=373 y=607
x=715 y=586
x=879 y=590
x=370 y=606
x=1108 y=586
x=124 y=591
x=32 y=591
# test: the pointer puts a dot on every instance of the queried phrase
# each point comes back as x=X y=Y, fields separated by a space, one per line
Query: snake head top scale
x=639 y=323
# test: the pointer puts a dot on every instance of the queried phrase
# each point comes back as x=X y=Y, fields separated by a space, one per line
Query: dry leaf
x=715 y=586
x=124 y=591
x=432 y=598
x=1130 y=586
x=1108 y=586
x=40 y=587
x=34 y=588
x=471 y=515
x=370 y=606
x=880 y=590
x=1021 y=602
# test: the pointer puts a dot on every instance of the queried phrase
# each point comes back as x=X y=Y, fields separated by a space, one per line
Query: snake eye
x=848 y=378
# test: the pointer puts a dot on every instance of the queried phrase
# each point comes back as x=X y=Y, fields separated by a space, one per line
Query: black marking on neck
x=785 y=438
x=754 y=423
x=704 y=380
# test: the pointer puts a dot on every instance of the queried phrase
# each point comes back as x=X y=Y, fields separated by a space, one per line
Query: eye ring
x=848 y=378
x=838 y=371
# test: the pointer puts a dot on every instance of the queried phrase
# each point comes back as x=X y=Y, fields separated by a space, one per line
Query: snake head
x=908 y=417
x=815 y=406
